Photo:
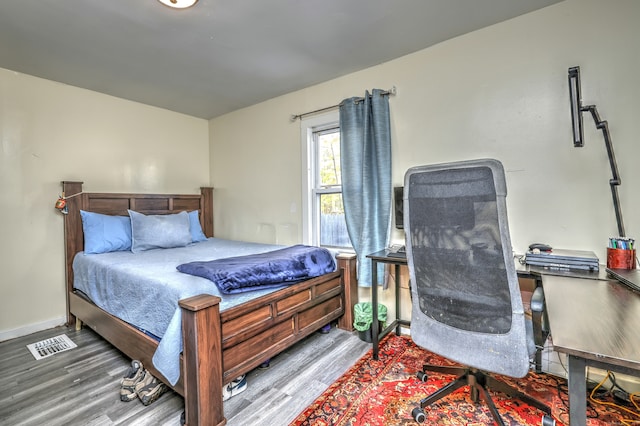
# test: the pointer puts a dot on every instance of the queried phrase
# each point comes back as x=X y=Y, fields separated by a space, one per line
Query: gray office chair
x=466 y=299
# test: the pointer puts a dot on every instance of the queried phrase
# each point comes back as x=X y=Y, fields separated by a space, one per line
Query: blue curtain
x=365 y=151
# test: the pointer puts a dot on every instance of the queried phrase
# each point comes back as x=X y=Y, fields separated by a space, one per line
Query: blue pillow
x=104 y=233
x=159 y=231
x=195 y=228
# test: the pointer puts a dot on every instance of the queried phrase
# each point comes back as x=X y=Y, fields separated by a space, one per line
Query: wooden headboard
x=118 y=204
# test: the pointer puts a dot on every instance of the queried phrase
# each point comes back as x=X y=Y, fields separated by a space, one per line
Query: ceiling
x=222 y=55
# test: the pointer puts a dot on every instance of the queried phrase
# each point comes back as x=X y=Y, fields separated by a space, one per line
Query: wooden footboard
x=217 y=346
x=250 y=334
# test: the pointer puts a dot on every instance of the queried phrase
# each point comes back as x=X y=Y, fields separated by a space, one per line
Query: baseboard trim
x=31 y=328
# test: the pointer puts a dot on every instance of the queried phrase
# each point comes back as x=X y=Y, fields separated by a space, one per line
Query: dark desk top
x=594 y=319
x=387 y=257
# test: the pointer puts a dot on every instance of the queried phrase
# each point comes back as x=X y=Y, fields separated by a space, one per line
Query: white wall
x=51 y=132
x=498 y=92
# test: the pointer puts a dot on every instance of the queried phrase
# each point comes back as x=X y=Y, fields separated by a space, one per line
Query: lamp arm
x=615 y=181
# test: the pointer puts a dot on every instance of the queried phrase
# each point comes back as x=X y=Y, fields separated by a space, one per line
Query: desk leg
x=397 y=282
x=375 y=327
x=577 y=391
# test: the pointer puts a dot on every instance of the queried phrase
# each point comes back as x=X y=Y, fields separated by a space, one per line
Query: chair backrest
x=467 y=304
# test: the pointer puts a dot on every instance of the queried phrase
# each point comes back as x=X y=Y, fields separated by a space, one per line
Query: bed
x=218 y=344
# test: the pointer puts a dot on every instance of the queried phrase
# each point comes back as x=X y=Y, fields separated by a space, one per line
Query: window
x=324 y=223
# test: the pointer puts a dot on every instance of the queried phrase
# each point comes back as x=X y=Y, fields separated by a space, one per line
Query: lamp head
x=576 y=106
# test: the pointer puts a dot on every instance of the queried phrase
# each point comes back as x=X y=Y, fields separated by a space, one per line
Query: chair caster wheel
x=547 y=420
x=418 y=415
x=422 y=376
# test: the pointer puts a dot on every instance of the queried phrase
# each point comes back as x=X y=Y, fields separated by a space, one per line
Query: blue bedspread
x=143 y=289
x=264 y=270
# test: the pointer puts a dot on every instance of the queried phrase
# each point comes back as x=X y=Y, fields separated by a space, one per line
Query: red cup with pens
x=621 y=253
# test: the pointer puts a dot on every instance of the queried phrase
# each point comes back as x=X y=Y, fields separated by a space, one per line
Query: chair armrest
x=537 y=300
x=540 y=324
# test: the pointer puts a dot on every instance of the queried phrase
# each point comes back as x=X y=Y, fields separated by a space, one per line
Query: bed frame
x=218 y=346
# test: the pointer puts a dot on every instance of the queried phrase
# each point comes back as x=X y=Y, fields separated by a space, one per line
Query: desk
x=594 y=320
x=596 y=323
x=382 y=256
x=536 y=273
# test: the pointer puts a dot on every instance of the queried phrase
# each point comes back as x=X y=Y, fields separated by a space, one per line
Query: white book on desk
x=397 y=250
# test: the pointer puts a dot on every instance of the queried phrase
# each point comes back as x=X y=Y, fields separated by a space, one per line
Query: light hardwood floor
x=81 y=386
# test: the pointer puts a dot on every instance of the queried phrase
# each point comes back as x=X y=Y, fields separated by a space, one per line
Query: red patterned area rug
x=384 y=392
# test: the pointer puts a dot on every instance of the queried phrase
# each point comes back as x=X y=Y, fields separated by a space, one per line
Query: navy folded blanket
x=265 y=270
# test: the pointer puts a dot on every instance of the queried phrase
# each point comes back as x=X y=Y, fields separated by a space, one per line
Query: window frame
x=311 y=191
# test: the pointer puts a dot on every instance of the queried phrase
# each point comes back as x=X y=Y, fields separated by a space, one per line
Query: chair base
x=479 y=383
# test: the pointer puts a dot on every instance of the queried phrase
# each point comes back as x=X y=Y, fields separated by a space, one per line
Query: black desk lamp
x=578 y=138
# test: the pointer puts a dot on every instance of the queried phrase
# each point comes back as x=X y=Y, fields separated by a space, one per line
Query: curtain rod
x=294 y=117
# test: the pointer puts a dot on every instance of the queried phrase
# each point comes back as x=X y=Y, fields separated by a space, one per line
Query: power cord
x=618 y=394
x=615 y=391
x=562 y=389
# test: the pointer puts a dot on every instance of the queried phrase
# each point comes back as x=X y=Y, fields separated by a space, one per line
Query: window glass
x=324 y=221
x=329 y=157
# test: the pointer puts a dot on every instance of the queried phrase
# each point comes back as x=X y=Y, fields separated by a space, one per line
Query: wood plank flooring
x=81 y=386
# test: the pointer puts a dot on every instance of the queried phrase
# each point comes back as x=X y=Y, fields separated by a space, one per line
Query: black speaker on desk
x=398 y=206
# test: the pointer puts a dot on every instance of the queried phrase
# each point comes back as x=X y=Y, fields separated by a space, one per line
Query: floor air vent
x=46 y=348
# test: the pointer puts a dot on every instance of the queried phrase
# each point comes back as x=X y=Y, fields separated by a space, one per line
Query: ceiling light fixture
x=179 y=4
